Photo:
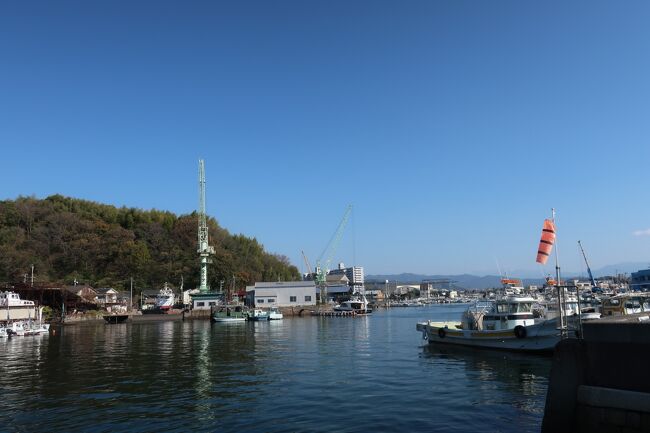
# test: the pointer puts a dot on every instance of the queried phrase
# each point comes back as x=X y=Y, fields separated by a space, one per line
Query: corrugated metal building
x=282 y=294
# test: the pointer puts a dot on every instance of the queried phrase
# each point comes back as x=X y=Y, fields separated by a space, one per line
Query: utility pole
x=131 y=301
x=32 y=275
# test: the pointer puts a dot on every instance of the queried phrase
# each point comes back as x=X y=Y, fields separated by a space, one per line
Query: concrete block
x=633 y=420
x=615 y=417
x=614 y=398
x=645 y=422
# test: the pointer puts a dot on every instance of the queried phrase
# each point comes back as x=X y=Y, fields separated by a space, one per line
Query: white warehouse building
x=281 y=294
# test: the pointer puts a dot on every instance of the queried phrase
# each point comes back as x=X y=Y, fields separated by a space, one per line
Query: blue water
x=298 y=374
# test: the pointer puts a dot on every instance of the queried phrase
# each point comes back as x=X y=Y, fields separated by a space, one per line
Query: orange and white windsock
x=547 y=241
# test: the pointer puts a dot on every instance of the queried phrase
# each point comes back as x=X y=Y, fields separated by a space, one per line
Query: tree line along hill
x=68 y=239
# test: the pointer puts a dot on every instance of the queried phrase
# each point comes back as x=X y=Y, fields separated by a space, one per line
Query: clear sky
x=452 y=127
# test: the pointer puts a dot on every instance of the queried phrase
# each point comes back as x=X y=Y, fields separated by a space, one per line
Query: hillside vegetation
x=104 y=246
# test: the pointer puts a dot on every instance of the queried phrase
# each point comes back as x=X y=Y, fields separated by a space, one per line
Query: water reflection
x=524 y=374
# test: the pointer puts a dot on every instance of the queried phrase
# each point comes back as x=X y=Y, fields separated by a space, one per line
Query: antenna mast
x=204 y=249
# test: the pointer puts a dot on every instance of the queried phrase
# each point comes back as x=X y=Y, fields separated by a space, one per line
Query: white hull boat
x=540 y=337
x=356 y=305
x=507 y=323
x=228 y=319
x=258 y=316
x=22 y=329
x=165 y=299
x=274 y=314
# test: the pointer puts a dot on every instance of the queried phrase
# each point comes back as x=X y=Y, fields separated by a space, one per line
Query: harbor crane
x=591 y=277
x=204 y=249
x=310 y=273
x=323 y=262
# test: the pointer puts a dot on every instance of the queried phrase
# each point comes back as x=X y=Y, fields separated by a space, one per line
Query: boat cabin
x=627 y=303
x=11 y=299
x=501 y=314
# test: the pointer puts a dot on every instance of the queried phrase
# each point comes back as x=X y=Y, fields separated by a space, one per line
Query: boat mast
x=560 y=290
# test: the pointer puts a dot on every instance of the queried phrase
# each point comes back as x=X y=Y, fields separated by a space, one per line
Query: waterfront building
x=84 y=293
x=354 y=274
x=435 y=288
x=640 y=280
x=336 y=292
x=281 y=294
x=205 y=301
x=375 y=295
x=106 y=296
x=405 y=289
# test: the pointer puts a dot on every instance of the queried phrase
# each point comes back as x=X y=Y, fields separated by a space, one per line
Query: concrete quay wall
x=601 y=383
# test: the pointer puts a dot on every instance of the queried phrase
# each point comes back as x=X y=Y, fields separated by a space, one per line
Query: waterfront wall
x=601 y=383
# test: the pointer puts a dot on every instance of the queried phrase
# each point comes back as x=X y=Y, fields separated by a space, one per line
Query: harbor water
x=297 y=374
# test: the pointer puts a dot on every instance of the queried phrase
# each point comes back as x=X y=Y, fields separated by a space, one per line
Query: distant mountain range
x=469 y=281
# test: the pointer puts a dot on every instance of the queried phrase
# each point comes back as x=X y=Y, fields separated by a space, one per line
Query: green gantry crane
x=323 y=262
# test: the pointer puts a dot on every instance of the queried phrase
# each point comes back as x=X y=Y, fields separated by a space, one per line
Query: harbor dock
x=600 y=383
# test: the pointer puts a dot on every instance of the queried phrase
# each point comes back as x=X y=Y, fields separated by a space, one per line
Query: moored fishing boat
x=275 y=314
x=626 y=303
x=508 y=322
x=358 y=305
x=505 y=323
x=165 y=298
x=14 y=308
x=258 y=315
x=228 y=314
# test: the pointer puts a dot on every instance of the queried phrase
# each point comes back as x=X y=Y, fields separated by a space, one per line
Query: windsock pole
x=561 y=303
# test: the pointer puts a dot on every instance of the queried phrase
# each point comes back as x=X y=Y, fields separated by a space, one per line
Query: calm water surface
x=298 y=374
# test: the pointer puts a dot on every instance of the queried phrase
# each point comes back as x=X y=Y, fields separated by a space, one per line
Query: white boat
x=16 y=328
x=165 y=298
x=505 y=323
x=22 y=317
x=25 y=328
x=549 y=310
x=14 y=308
x=357 y=305
x=415 y=303
x=275 y=314
x=258 y=315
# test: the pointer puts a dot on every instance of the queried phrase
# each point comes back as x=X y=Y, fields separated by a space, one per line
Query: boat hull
x=116 y=318
x=541 y=337
x=228 y=319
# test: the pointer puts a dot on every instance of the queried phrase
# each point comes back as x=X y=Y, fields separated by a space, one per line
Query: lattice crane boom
x=330 y=249
x=204 y=249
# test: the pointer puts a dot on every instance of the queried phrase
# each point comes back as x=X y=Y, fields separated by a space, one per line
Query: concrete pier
x=602 y=382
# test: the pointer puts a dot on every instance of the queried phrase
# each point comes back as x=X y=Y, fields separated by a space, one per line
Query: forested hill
x=104 y=246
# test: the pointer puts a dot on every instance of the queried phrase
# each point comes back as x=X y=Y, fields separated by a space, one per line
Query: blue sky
x=451 y=126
